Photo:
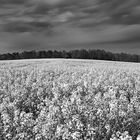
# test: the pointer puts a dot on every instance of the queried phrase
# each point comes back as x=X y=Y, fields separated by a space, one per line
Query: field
x=58 y=99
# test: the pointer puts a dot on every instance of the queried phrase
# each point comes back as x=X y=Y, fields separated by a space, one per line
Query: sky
x=112 y=25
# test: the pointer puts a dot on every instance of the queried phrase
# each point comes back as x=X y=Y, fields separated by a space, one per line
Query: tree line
x=72 y=54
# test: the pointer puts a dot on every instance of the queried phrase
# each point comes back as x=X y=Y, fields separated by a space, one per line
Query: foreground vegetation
x=69 y=100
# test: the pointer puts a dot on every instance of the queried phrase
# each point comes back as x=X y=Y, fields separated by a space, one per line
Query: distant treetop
x=73 y=54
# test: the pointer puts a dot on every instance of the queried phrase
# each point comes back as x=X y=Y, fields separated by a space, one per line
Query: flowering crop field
x=58 y=99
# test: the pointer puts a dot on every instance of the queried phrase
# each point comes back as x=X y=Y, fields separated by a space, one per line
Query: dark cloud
x=13 y=1
x=20 y=27
x=38 y=24
x=40 y=8
x=121 y=11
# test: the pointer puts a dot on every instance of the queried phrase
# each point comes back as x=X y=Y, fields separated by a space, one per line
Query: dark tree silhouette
x=73 y=54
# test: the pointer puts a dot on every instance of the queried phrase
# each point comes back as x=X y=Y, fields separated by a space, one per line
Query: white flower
x=138 y=138
x=76 y=135
x=107 y=127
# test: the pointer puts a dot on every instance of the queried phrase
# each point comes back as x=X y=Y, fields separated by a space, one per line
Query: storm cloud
x=69 y=24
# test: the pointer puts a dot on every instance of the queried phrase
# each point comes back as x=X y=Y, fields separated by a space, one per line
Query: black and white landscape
x=71 y=83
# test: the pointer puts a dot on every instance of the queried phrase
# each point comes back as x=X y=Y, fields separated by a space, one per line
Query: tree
x=74 y=54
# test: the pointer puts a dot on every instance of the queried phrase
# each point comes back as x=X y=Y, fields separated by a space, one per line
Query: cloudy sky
x=112 y=25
